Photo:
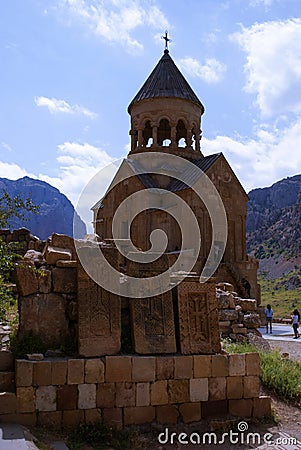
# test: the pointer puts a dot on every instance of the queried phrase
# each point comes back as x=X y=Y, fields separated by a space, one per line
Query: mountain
x=56 y=211
x=274 y=226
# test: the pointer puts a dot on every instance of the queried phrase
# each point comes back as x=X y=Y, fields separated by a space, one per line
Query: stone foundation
x=125 y=390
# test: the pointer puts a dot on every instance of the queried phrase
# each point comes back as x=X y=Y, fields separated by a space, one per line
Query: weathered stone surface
x=167 y=414
x=6 y=360
x=64 y=280
x=53 y=254
x=253 y=364
x=26 y=278
x=105 y=395
x=153 y=324
x=214 y=408
x=8 y=403
x=247 y=304
x=227 y=314
x=202 y=366
x=118 y=368
x=178 y=391
x=227 y=287
x=58 y=372
x=99 y=318
x=93 y=415
x=237 y=365
x=34 y=257
x=159 y=395
x=73 y=418
x=76 y=371
x=64 y=241
x=44 y=315
x=113 y=417
x=190 y=412
x=252 y=320
x=198 y=317
x=35 y=356
x=241 y=408
x=219 y=366
x=217 y=387
x=46 y=398
x=50 y=419
x=42 y=373
x=24 y=373
x=66 y=264
x=139 y=414
x=251 y=386
x=142 y=394
x=143 y=368
x=262 y=407
x=125 y=394
x=67 y=397
x=223 y=299
x=94 y=371
x=25 y=399
x=164 y=368
x=44 y=280
x=86 y=396
x=183 y=367
x=198 y=389
x=235 y=387
x=7 y=381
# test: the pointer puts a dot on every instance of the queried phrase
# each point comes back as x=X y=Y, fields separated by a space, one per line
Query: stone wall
x=125 y=390
x=24 y=237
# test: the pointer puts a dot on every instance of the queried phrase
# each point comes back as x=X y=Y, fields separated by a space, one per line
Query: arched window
x=181 y=133
x=147 y=134
x=164 y=131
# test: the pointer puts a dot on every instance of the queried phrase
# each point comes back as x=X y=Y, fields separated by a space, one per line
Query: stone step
x=6 y=361
x=7 y=381
x=8 y=403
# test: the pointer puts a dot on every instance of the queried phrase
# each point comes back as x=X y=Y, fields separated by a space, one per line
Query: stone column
x=140 y=137
x=173 y=135
x=155 y=135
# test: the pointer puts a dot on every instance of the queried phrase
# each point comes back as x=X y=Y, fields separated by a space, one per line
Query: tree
x=14 y=207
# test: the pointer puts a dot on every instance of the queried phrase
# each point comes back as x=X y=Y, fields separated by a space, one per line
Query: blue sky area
x=70 y=68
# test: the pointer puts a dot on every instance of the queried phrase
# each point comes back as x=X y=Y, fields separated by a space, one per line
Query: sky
x=70 y=68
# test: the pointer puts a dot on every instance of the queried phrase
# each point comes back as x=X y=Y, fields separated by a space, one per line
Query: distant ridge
x=56 y=211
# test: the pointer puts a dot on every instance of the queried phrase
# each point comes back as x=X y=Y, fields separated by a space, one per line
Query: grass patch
x=282 y=300
x=100 y=436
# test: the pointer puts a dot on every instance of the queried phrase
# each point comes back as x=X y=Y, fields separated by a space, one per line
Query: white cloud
x=61 y=106
x=273 y=66
x=114 y=20
x=271 y=155
x=211 y=71
x=12 y=171
x=6 y=146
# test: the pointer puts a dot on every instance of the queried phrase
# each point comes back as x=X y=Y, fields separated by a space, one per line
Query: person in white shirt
x=295 y=323
x=269 y=317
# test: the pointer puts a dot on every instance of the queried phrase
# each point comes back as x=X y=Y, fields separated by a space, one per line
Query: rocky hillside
x=274 y=225
x=56 y=211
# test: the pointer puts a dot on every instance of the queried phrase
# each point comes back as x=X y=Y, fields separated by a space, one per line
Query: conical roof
x=166 y=81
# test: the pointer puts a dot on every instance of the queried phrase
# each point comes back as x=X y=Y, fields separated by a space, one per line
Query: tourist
x=268 y=318
x=295 y=323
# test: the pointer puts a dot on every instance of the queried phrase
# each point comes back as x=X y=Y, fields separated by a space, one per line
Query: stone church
x=166 y=120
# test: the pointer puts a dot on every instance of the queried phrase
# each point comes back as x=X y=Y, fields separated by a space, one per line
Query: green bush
x=29 y=343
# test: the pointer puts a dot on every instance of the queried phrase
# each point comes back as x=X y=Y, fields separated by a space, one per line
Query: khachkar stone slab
x=198 y=318
x=99 y=318
x=153 y=324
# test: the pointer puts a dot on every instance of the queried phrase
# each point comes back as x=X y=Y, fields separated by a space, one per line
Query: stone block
x=139 y=415
x=53 y=254
x=183 y=367
x=76 y=371
x=142 y=394
x=252 y=320
x=190 y=412
x=220 y=366
x=73 y=418
x=214 y=409
x=227 y=314
x=118 y=368
x=46 y=398
x=237 y=366
x=64 y=280
x=247 y=304
x=24 y=373
x=93 y=415
x=198 y=389
x=63 y=241
x=202 y=366
x=50 y=419
x=44 y=280
x=167 y=414
x=113 y=417
x=25 y=399
x=125 y=394
x=26 y=419
x=67 y=397
x=241 y=408
x=217 y=388
x=59 y=372
x=26 y=279
x=178 y=391
x=262 y=407
x=158 y=391
x=7 y=381
x=6 y=361
x=251 y=386
x=235 y=387
x=105 y=395
x=164 y=368
x=253 y=364
x=94 y=371
x=86 y=396
x=8 y=403
x=66 y=264
x=42 y=373
x=143 y=368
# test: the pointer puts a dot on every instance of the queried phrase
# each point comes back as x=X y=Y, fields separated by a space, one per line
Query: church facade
x=166 y=120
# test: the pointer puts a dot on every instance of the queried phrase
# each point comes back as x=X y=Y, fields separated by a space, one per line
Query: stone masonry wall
x=125 y=390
